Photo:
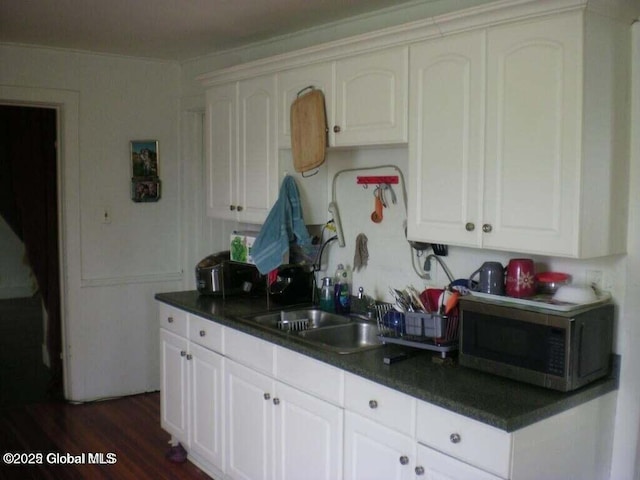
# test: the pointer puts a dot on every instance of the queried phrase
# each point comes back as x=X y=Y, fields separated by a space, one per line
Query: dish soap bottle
x=326 y=295
x=342 y=290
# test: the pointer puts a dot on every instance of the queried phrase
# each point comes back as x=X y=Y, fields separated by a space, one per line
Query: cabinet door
x=207 y=428
x=249 y=423
x=308 y=436
x=532 y=172
x=446 y=151
x=374 y=452
x=371 y=99
x=221 y=146
x=438 y=466
x=290 y=83
x=174 y=390
x=258 y=168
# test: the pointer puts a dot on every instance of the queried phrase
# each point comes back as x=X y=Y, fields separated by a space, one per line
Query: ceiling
x=166 y=29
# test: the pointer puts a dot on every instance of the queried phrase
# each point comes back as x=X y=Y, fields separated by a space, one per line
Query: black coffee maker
x=293 y=284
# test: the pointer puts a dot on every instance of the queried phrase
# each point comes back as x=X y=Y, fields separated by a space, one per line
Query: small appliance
x=560 y=350
x=293 y=284
x=216 y=274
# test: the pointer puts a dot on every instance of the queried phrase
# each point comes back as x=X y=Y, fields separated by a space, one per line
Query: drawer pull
x=487 y=228
x=419 y=470
x=470 y=226
x=276 y=401
x=404 y=460
x=373 y=404
x=232 y=207
x=266 y=396
x=202 y=333
x=455 y=438
x=189 y=356
x=240 y=208
x=170 y=319
x=183 y=353
x=336 y=129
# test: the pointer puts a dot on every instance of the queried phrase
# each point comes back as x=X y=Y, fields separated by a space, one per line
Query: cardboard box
x=240 y=246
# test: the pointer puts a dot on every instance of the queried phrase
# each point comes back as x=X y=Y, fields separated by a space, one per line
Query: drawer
x=173 y=319
x=311 y=376
x=206 y=333
x=471 y=441
x=384 y=405
x=249 y=350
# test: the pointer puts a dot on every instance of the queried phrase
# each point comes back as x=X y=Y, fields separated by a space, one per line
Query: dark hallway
x=29 y=206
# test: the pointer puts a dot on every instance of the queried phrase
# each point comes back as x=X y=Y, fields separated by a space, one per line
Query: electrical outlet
x=594 y=277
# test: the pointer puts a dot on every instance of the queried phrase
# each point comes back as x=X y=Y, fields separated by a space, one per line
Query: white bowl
x=575 y=294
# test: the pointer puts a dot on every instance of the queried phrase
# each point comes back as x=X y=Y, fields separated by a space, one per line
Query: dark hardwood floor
x=128 y=427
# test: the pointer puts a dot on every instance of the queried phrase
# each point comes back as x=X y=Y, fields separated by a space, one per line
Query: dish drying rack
x=427 y=331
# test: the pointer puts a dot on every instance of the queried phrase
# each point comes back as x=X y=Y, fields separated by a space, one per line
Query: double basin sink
x=328 y=331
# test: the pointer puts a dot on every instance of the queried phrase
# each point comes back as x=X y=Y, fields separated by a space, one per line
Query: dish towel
x=361 y=256
x=283 y=225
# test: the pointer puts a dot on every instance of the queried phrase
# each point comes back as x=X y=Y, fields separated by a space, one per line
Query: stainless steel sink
x=349 y=338
x=301 y=319
x=324 y=330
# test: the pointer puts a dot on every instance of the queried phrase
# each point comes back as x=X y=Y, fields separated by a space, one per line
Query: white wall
x=626 y=446
x=112 y=270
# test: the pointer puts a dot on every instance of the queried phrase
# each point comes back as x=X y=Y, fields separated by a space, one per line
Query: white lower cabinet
x=254 y=411
x=191 y=394
x=275 y=431
x=433 y=465
x=206 y=381
x=174 y=391
x=375 y=452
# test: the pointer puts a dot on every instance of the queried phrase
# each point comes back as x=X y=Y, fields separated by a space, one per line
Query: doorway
x=29 y=206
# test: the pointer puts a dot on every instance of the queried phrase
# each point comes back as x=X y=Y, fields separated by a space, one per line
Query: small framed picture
x=144 y=190
x=144 y=158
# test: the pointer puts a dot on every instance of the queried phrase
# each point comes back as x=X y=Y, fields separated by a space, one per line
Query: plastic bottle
x=342 y=290
x=326 y=295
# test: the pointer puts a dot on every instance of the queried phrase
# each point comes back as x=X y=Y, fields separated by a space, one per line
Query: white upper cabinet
x=221 y=144
x=370 y=99
x=365 y=97
x=511 y=164
x=294 y=81
x=532 y=162
x=446 y=150
x=241 y=146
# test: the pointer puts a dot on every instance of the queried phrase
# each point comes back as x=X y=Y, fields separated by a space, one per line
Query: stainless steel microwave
x=560 y=350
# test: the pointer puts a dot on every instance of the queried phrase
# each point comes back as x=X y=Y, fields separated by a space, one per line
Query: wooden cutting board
x=308 y=131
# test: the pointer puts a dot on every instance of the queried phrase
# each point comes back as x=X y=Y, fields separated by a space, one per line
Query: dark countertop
x=499 y=402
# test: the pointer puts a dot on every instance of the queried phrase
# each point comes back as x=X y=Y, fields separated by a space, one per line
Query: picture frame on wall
x=145 y=190
x=144 y=159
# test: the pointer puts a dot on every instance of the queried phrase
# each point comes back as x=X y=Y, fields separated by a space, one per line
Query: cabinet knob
x=170 y=319
x=336 y=129
x=486 y=228
x=455 y=438
x=232 y=207
x=404 y=460
x=240 y=208
x=189 y=356
x=183 y=353
x=419 y=470
x=266 y=396
x=373 y=404
x=276 y=401
x=470 y=226
x=202 y=333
